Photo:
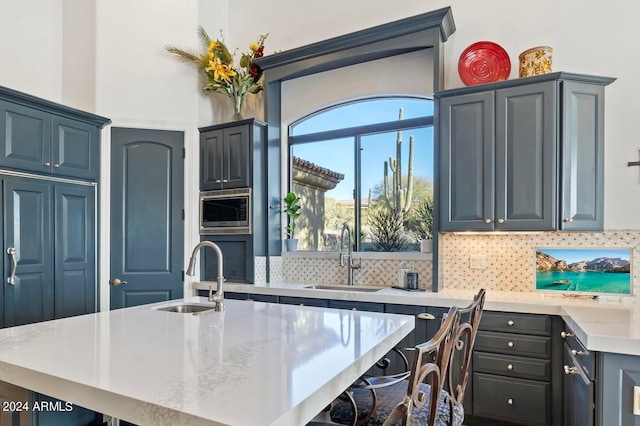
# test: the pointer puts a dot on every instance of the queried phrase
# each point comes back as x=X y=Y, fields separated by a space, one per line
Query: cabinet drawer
x=356 y=306
x=512 y=366
x=521 y=401
x=303 y=301
x=516 y=323
x=513 y=344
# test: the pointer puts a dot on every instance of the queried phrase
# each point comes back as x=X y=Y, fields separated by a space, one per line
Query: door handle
x=11 y=279
x=116 y=282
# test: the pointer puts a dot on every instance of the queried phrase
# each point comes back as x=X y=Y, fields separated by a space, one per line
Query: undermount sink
x=186 y=308
x=343 y=288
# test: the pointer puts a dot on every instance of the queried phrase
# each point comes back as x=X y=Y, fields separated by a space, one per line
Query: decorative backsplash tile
x=275 y=269
x=260 y=269
x=373 y=272
x=510 y=258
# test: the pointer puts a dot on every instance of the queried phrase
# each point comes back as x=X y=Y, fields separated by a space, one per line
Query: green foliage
x=292 y=209
x=387 y=230
x=421 y=221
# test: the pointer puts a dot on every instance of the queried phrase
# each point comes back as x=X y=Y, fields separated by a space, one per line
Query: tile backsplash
x=506 y=261
x=373 y=272
x=510 y=257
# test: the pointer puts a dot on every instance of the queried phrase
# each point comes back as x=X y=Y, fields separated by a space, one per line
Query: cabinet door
x=236 y=157
x=526 y=157
x=211 y=160
x=237 y=256
x=75 y=270
x=74 y=149
x=467 y=162
x=582 y=147
x=28 y=225
x=25 y=138
x=578 y=394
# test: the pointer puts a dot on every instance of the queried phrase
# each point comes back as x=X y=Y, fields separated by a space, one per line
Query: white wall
x=30 y=46
x=588 y=36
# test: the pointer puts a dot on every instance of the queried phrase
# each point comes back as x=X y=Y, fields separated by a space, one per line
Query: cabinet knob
x=47 y=164
x=487 y=221
x=510 y=344
x=510 y=367
x=564 y=334
x=224 y=181
x=510 y=323
x=500 y=220
x=510 y=401
x=354 y=309
x=569 y=370
x=218 y=181
x=577 y=353
x=425 y=316
x=567 y=220
x=56 y=165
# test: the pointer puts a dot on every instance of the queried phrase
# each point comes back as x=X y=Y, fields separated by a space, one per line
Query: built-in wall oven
x=225 y=211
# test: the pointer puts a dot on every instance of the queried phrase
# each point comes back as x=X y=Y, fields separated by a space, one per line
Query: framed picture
x=592 y=271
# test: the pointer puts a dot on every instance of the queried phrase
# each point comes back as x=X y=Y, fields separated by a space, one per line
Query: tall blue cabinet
x=49 y=170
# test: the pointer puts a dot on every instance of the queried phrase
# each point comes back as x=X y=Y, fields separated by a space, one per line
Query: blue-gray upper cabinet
x=522 y=154
x=35 y=140
x=227 y=157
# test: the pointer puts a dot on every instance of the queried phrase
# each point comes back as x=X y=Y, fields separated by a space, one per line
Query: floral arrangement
x=217 y=63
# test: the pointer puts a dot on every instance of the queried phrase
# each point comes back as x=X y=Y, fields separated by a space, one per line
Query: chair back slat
x=430 y=364
x=458 y=374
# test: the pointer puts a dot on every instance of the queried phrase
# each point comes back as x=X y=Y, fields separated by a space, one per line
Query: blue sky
x=579 y=254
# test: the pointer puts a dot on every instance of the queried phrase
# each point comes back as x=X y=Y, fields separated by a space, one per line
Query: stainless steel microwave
x=225 y=211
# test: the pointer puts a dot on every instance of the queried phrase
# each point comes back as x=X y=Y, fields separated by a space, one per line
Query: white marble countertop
x=253 y=364
x=608 y=324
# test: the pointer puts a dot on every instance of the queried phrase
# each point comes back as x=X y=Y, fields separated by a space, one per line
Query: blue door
x=147 y=187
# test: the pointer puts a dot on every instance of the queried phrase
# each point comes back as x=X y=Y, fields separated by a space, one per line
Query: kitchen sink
x=344 y=288
x=187 y=308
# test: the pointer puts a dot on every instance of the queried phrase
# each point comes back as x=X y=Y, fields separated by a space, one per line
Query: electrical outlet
x=478 y=261
x=636 y=400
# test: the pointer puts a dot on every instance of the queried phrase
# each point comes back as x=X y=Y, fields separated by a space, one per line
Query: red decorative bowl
x=483 y=62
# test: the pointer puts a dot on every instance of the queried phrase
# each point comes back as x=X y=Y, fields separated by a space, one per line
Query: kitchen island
x=252 y=364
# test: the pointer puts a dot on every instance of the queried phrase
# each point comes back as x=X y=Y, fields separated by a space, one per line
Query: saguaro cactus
x=396 y=196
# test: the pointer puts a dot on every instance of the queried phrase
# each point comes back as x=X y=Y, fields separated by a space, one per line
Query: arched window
x=368 y=163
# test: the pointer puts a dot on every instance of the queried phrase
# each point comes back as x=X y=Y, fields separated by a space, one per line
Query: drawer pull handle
x=426 y=316
x=577 y=353
x=564 y=334
x=510 y=323
x=510 y=401
x=354 y=309
x=487 y=221
x=510 y=367
x=569 y=370
x=510 y=344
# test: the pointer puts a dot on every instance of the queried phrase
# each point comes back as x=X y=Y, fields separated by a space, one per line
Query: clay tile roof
x=299 y=162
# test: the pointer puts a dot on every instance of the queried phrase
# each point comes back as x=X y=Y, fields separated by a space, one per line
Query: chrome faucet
x=349 y=257
x=218 y=298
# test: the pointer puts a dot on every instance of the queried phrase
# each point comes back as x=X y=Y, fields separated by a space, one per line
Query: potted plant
x=292 y=209
x=424 y=224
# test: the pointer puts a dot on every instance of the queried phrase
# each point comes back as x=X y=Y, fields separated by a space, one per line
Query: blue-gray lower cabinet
x=618 y=376
x=304 y=301
x=356 y=306
x=28 y=234
x=51 y=229
x=517 y=371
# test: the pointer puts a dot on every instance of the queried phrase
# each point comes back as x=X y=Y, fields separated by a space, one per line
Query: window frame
x=356 y=133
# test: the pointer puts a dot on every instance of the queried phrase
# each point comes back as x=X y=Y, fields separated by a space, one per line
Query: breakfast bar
x=251 y=364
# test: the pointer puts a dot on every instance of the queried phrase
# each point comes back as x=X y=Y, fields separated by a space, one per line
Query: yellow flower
x=212 y=46
x=220 y=71
x=254 y=47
